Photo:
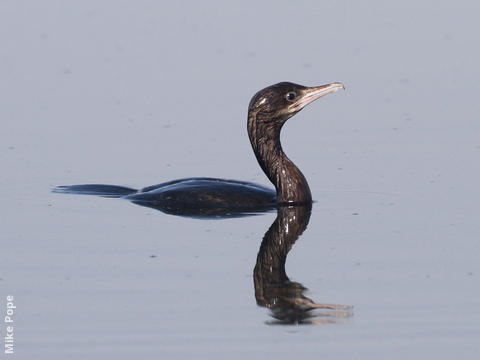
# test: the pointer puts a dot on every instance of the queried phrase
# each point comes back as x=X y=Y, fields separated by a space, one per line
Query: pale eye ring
x=291 y=96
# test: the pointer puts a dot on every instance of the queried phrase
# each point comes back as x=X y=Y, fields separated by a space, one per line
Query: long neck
x=291 y=185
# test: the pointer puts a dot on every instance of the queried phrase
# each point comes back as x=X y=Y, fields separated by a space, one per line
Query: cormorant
x=268 y=111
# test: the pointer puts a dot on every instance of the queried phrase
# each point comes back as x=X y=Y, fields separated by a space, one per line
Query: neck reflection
x=273 y=288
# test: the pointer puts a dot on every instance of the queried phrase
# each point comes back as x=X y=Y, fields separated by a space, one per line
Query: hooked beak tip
x=333 y=87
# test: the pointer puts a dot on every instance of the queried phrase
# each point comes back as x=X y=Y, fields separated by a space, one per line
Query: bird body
x=206 y=192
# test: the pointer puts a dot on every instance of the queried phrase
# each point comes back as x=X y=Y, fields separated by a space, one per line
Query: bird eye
x=291 y=96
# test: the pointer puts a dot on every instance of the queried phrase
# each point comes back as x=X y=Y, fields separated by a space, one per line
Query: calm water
x=135 y=95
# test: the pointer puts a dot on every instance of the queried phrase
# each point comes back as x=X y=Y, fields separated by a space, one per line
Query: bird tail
x=110 y=191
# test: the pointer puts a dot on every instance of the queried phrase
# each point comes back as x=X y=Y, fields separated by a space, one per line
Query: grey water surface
x=138 y=93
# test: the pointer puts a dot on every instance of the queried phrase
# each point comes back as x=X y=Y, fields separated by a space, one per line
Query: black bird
x=268 y=110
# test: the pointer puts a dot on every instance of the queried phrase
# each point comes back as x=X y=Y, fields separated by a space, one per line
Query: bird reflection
x=273 y=288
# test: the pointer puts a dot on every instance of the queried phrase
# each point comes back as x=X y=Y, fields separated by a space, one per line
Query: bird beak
x=313 y=93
